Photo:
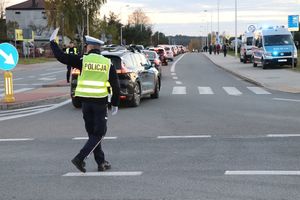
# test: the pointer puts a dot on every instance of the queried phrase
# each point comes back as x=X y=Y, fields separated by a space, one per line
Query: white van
x=246 y=47
x=273 y=46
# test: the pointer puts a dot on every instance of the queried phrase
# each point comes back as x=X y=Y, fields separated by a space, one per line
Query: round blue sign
x=9 y=56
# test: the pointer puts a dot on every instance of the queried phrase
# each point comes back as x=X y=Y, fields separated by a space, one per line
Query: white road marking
x=174 y=64
x=173 y=74
x=132 y=173
x=281 y=99
x=46 y=79
x=175 y=77
x=183 y=136
x=232 y=91
x=57 y=72
x=85 y=138
x=16 y=139
x=258 y=90
x=17 y=79
x=37 y=112
x=179 y=90
x=205 y=90
x=272 y=173
x=18 y=91
x=283 y=135
x=178 y=82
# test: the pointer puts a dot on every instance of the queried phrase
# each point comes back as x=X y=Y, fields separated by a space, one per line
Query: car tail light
x=75 y=71
x=156 y=61
x=123 y=69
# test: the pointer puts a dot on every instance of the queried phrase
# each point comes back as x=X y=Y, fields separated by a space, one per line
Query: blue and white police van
x=273 y=46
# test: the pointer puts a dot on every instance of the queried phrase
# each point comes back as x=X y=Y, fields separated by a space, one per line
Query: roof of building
x=28 y=5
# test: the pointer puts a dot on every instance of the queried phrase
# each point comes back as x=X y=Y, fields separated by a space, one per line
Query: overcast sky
x=188 y=17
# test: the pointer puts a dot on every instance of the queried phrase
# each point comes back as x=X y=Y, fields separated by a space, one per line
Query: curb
x=235 y=73
x=55 y=99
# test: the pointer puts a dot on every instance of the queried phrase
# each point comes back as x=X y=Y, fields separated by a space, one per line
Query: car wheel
x=241 y=59
x=136 y=99
x=155 y=95
x=254 y=63
x=245 y=59
x=264 y=65
x=76 y=102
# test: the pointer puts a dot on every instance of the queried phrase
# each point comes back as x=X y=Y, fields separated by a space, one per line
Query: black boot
x=104 y=166
x=79 y=164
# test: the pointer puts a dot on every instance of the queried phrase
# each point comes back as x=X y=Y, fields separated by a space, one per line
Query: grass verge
x=28 y=61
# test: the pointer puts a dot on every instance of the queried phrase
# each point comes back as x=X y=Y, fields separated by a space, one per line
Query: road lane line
x=179 y=90
x=174 y=64
x=283 y=135
x=232 y=91
x=291 y=100
x=37 y=112
x=263 y=173
x=173 y=74
x=57 y=72
x=85 y=138
x=178 y=82
x=205 y=90
x=16 y=139
x=183 y=136
x=17 y=79
x=258 y=90
x=132 y=173
x=175 y=77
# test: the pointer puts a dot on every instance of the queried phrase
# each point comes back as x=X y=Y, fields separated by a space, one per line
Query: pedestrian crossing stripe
x=16 y=91
x=232 y=91
x=181 y=90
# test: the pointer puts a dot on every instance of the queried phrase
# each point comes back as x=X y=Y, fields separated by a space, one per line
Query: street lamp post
x=121 y=29
x=236 y=42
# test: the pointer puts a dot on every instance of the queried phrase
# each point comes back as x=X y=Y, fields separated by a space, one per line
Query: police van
x=273 y=46
x=246 y=47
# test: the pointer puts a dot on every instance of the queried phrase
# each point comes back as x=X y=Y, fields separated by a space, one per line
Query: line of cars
x=138 y=77
x=269 y=47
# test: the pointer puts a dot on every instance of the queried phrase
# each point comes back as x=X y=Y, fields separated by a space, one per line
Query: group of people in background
x=216 y=49
x=70 y=49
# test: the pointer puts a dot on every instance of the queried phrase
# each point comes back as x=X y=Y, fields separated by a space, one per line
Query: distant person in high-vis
x=97 y=74
x=70 y=50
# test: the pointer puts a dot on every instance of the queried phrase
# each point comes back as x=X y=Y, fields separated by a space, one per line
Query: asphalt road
x=198 y=141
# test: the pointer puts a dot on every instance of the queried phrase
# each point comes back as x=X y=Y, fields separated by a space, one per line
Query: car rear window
x=116 y=61
x=150 y=55
x=167 y=48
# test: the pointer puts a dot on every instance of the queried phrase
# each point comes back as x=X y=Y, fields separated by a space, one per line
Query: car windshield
x=273 y=40
x=249 y=40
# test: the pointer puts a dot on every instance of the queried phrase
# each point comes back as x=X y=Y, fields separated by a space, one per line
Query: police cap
x=93 y=41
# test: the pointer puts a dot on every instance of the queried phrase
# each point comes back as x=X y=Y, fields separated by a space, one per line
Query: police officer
x=97 y=74
x=70 y=50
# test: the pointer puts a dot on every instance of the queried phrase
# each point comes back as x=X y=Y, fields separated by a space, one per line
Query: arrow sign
x=8 y=56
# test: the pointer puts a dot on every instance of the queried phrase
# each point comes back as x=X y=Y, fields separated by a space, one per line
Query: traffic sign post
x=293 y=25
x=8 y=60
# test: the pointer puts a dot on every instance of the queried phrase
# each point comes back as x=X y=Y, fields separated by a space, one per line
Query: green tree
x=71 y=15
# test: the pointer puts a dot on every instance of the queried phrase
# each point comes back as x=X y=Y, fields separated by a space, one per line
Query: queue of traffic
x=269 y=47
x=138 y=68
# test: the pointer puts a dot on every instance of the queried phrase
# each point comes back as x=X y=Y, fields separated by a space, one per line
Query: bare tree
x=2 y=9
x=138 y=17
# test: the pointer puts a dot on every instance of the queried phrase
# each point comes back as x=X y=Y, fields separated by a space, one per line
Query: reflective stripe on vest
x=68 y=50
x=93 y=81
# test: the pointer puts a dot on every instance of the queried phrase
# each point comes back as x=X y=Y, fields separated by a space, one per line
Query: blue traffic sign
x=293 y=22
x=9 y=56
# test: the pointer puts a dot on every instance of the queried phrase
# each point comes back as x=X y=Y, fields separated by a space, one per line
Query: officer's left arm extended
x=67 y=59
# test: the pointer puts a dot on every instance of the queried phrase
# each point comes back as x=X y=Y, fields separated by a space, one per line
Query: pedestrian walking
x=70 y=50
x=97 y=74
x=210 y=49
x=224 y=49
x=218 y=49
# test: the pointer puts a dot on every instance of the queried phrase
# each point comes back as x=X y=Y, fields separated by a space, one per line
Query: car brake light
x=156 y=62
x=75 y=71
x=123 y=69
x=123 y=97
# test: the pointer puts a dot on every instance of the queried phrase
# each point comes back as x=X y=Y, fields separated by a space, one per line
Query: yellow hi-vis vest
x=93 y=81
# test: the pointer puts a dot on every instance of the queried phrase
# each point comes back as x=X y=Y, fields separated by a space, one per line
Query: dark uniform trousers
x=95 y=118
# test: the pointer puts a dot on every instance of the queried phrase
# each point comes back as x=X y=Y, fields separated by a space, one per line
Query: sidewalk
x=50 y=93
x=284 y=80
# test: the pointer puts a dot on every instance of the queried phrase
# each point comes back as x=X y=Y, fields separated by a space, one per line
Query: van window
x=273 y=40
x=249 y=40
